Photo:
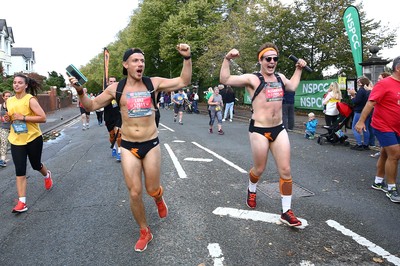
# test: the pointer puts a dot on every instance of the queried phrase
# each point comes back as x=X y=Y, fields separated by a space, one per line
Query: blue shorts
x=386 y=138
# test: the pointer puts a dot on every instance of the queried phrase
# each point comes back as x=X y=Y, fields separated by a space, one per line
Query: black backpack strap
x=149 y=85
x=120 y=88
x=260 y=87
x=262 y=84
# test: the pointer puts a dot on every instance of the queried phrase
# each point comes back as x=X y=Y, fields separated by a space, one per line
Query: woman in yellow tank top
x=25 y=114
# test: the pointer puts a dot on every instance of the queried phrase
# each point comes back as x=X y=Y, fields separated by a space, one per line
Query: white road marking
x=364 y=242
x=198 y=159
x=179 y=141
x=177 y=165
x=254 y=216
x=221 y=158
x=306 y=263
x=216 y=253
x=168 y=128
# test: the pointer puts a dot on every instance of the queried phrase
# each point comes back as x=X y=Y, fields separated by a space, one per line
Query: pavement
x=59 y=117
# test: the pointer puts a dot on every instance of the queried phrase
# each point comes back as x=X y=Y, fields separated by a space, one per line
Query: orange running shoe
x=145 y=237
x=48 y=182
x=289 y=218
x=251 y=199
x=162 y=208
x=20 y=207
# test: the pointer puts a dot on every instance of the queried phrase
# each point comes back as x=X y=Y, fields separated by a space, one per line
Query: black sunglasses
x=269 y=58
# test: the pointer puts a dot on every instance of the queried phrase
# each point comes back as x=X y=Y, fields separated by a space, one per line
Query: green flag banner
x=352 y=24
x=310 y=93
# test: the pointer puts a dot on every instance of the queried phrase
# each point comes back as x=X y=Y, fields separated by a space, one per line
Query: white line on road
x=364 y=242
x=216 y=253
x=177 y=165
x=221 y=158
x=254 y=215
x=198 y=159
x=170 y=129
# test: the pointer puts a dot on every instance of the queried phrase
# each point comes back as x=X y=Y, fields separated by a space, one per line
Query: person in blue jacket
x=311 y=126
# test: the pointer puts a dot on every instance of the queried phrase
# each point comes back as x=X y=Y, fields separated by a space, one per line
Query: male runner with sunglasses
x=266 y=130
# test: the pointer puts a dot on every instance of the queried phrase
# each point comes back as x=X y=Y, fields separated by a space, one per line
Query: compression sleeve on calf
x=253 y=178
x=112 y=136
x=157 y=194
x=119 y=138
x=285 y=186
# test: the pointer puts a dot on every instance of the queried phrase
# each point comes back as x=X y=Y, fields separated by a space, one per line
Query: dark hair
x=33 y=86
x=4 y=93
x=364 y=81
x=396 y=62
x=384 y=74
x=127 y=54
x=267 y=45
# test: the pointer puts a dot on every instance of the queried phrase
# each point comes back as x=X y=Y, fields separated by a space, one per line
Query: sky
x=75 y=31
x=65 y=32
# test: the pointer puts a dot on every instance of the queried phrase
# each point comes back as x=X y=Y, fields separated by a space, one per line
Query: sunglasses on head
x=269 y=58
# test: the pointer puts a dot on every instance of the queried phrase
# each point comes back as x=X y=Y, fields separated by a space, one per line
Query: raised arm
x=164 y=84
x=292 y=83
x=100 y=101
x=225 y=76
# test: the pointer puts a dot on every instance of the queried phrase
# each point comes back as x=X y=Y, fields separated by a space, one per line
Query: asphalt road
x=86 y=220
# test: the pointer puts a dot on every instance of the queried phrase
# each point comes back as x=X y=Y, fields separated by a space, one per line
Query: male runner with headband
x=266 y=130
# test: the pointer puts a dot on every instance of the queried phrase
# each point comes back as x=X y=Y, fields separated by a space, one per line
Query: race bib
x=273 y=91
x=19 y=127
x=138 y=104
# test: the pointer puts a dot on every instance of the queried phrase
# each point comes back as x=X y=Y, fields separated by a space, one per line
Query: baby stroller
x=335 y=135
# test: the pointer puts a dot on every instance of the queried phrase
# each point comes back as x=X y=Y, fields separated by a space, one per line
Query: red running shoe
x=20 y=207
x=289 y=218
x=162 y=208
x=251 y=199
x=48 y=182
x=145 y=237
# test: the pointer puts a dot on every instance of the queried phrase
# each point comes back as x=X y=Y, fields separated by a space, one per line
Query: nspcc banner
x=310 y=93
x=352 y=24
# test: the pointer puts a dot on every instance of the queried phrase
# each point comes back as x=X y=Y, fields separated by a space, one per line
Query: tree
x=323 y=40
x=56 y=80
x=310 y=29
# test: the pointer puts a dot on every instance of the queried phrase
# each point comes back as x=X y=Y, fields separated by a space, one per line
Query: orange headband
x=266 y=50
